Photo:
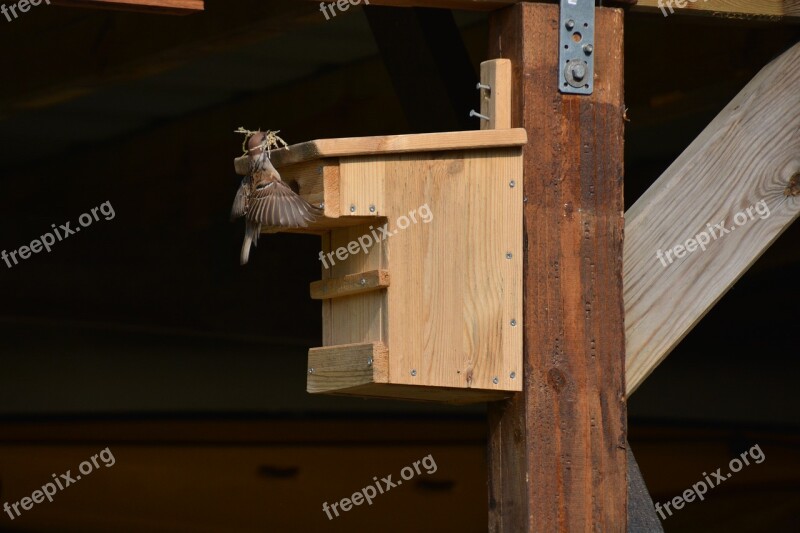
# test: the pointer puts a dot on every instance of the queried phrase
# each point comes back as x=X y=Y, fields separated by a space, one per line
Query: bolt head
x=578 y=71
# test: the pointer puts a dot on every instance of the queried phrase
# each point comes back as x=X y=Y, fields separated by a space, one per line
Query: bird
x=263 y=198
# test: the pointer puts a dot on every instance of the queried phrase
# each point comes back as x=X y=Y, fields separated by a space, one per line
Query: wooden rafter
x=761 y=9
x=747 y=155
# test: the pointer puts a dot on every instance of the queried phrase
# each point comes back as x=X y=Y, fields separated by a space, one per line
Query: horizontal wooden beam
x=735 y=190
x=167 y=7
x=398 y=144
x=349 y=285
x=747 y=9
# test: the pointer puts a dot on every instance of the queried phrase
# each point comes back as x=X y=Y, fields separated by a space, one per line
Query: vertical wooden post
x=557 y=451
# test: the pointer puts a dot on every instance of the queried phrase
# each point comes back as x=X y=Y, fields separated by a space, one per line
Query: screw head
x=513 y=323
x=570 y=24
x=578 y=71
x=495 y=380
x=414 y=372
x=512 y=375
x=588 y=49
x=352 y=208
x=512 y=184
x=372 y=209
x=310 y=370
x=509 y=255
x=369 y=361
x=322 y=205
x=362 y=281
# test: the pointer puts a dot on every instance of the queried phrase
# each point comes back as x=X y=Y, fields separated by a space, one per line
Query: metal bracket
x=576 y=47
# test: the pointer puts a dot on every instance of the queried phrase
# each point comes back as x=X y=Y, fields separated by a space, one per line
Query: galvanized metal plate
x=576 y=47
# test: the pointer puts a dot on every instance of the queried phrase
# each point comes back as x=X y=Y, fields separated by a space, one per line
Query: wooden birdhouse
x=421 y=258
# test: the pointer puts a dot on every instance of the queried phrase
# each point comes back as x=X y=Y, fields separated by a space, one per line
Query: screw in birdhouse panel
x=512 y=375
x=362 y=281
x=369 y=361
x=570 y=24
x=352 y=208
x=322 y=205
x=509 y=255
x=310 y=370
x=495 y=380
x=414 y=372
x=512 y=184
x=483 y=86
x=371 y=208
x=474 y=113
x=513 y=323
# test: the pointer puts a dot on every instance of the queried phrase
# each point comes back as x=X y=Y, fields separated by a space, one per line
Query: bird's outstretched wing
x=240 y=201
x=275 y=204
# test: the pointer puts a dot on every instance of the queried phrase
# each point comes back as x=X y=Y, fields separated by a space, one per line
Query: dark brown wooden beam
x=557 y=451
x=770 y=10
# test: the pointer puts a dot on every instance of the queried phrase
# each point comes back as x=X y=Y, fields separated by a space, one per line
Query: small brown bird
x=263 y=198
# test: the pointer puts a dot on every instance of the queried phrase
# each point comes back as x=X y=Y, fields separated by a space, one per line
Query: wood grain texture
x=359 y=318
x=448 y=228
x=349 y=285
x=167 y=7
x=398 y=144
x=757 y=9
x=496 y=101
x=345 y=366
x=749 y=153
x=455 y=302
x=557 y=452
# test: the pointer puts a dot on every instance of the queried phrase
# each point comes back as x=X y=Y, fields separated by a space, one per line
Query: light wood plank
x=398 y=144
x=350 y=365
x=455 y=294
x=746 y=9
x=349 y=285
x=496 y=101
x=747 y=155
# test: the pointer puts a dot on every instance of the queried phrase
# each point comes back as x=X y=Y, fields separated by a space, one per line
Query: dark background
x=144 y=334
